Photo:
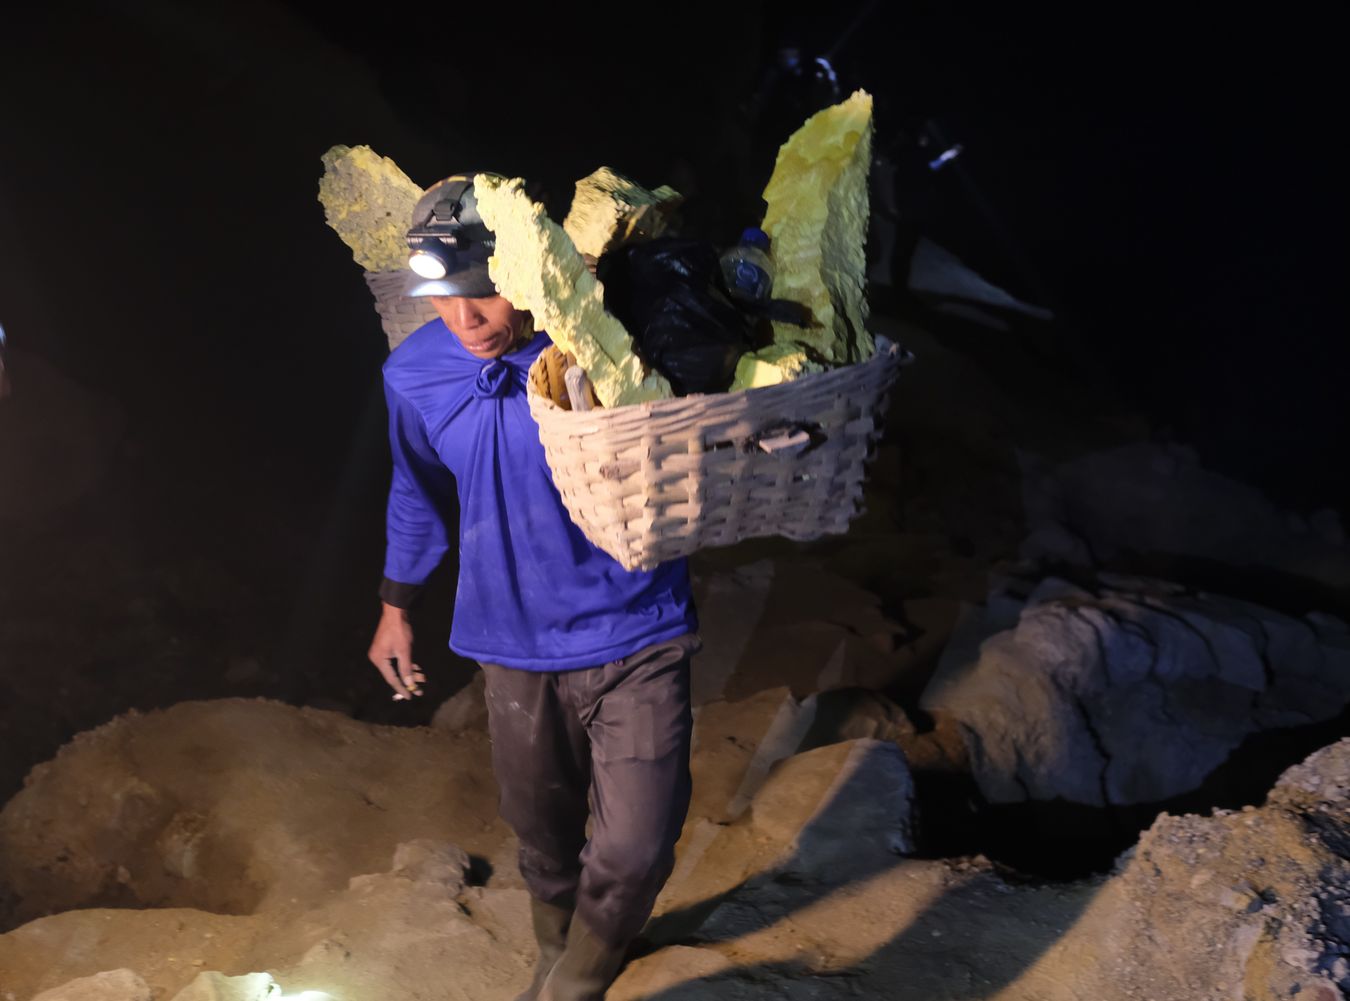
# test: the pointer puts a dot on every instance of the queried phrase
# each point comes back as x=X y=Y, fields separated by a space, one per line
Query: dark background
x=1169 y=187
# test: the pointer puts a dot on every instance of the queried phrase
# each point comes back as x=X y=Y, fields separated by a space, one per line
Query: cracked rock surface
x=1131 y=692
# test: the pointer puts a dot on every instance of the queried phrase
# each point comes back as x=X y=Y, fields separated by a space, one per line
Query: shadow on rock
x=822 y=918
x=1249 y=903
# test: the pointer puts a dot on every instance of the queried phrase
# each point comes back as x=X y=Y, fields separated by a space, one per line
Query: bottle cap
x=755 y=237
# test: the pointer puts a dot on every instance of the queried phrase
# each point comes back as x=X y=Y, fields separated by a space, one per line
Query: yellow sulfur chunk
x=772 y=365
x=537 y=268
x=369 y=202
x=609 y=210
x=817 y=221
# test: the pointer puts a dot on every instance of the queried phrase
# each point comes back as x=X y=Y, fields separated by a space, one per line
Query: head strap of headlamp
x=444 y=219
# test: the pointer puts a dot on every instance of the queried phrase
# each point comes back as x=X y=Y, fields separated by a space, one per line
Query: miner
x=586 y=664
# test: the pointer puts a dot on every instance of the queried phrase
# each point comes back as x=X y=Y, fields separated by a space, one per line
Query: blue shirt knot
x=494 y=379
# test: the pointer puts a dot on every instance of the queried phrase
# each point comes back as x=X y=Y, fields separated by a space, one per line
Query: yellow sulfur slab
x=772 y=365
x=369 y=202
x=817 y=221
x=609 y=210
x=537 y=268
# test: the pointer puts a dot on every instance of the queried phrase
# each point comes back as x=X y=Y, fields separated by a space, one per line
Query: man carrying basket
x=586 y=664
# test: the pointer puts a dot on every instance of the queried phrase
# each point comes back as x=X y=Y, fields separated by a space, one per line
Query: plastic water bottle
x=746 y=267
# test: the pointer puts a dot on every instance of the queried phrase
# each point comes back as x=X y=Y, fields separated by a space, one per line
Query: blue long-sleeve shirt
x=533 y=592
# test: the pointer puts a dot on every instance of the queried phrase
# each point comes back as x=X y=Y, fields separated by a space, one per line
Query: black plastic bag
x=667 y=292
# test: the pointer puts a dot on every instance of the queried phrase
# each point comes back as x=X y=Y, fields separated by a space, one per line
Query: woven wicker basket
x=400 y=315
x=655 y=481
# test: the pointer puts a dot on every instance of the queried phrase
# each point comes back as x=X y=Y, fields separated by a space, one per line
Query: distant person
x=792 y=88
x=586 y=663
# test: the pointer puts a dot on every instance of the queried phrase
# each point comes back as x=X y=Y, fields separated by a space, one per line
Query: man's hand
x=391 y=653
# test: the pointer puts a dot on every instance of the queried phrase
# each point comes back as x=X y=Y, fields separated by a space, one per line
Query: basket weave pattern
x=655 y=481
x=400 y=315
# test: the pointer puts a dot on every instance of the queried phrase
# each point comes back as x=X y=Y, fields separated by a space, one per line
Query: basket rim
x=887 y=351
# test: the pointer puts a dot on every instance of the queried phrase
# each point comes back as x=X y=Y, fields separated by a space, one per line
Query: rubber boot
x=586 y=968
x=550 y=931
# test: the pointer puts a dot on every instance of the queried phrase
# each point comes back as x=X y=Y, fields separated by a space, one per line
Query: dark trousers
x=611 y=742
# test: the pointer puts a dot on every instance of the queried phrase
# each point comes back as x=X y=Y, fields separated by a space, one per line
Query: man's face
x=488 y=328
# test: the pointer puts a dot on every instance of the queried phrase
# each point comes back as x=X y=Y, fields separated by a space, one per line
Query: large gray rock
x=1134 y=692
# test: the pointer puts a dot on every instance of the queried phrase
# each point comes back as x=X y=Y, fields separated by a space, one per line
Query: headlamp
x=436 y=246
x=428 y=260
x=449 y=244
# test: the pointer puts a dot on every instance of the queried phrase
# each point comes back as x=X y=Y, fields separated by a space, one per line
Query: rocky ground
x=227 y=838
